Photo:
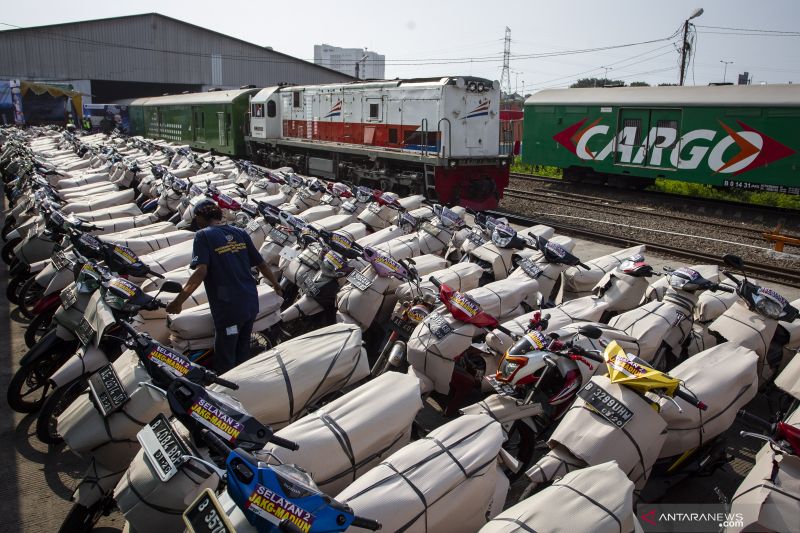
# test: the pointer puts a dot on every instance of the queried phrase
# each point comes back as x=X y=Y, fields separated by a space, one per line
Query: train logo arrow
x=335 y=111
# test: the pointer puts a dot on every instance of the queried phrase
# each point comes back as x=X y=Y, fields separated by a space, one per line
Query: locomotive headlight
x=481 y=88
x=472 y=86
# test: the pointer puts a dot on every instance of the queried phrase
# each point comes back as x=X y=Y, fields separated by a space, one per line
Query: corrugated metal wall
x=148 y=48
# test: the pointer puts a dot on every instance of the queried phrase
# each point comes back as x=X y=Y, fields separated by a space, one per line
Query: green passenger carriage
x=732 y=136
x=214 y=120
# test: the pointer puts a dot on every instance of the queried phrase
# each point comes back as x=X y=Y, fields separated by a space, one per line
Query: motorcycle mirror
x=733 y=261
x=592 y=332
x=171 y=286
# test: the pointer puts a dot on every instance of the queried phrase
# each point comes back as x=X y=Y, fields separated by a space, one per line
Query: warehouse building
x=147 y=55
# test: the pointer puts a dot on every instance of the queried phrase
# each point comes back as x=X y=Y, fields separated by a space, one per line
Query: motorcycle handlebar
x=366 y=523
x=155 y=274
x=685 y=396
x=504 y=329
x=215 y=443
x=225 y=383
x=755 y=420
x=284 y=443
x=436 y=282
x=723 y=288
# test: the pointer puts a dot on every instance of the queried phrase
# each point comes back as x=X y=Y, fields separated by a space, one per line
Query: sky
x=449 y=37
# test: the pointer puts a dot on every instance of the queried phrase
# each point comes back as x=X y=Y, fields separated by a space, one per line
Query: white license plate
x=253 y=226
x=431 y=229
x=359 y=280
x=68 y=297
x=375 y=207
x=326 y=199
x=286 y=189
x=162 y=447
x=205 y=515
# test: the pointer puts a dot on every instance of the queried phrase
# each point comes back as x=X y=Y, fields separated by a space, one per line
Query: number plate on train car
x=162 y=447
x=605 y=404
x=205 y=515
x=107 y=390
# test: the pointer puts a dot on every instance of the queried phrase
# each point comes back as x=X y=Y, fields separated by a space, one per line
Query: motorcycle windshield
x=632 y=372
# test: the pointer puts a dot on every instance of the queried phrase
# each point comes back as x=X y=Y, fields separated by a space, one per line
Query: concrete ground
x=37 y=481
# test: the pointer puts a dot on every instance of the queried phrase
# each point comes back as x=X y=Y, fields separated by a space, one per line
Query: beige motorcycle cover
x=402 y=247
x=125 y=222
x=553 y=465
x=445 y=482
x=789 y=378
x=110 y=213
x=461 y=276
x=767 y=499
x=594 y=440
x=502 y=299
x=712 y=304
x=101 y=201
x=169 y=258
x=279 y=385
x=597 y=499
x=501 y=258
x=725 y=379
x=579 y=282
x=196 y=322
x=151 y=243
x=342 y=440
x=154 y=228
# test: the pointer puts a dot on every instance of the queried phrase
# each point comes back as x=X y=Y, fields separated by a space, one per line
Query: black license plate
x=530 y=268
x=309 y=285
x=108 y=392
x=68 y=297
x=205 y=515
x=85 y=331
x=475 y=238
x=402 y=327
x=278 y=236
x=163 y=448
x=605 y=404
x=438 y=325
x=359 y=280
x=503 y=389
x=431 y=229
x=60 y=260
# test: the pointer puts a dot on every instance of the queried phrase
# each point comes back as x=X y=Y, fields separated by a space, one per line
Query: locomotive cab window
x=257 y=110
x=272 y=109
x=296 y=99
x=374 y=111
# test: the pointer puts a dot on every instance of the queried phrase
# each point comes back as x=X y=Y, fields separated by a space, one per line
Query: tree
x=639 y=84
x=596 y=82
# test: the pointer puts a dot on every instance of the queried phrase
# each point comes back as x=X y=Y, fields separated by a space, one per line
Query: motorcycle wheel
x=29 y=295
x=82 y=519
x=521 y=444
x=53 y=406
x=8 y=250
x=35 y=377
x=8 y=226
x=14 y=286
x=40 y=325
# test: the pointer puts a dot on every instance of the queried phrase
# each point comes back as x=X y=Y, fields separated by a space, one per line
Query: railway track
x=769 y=216
x=785 y=276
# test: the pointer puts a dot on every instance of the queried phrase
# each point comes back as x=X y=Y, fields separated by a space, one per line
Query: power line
x=746 y=29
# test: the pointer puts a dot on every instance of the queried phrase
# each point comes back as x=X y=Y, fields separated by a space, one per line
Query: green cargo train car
x=730 y=136
x=214 y=120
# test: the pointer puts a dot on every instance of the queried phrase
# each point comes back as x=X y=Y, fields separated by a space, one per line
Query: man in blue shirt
x=222 y=258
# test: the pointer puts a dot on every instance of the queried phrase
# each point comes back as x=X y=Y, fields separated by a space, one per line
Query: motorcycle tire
x=82 y=519
x=7 y=253
x=29 y=295
x=41 y=324
x=14 y=286
x=53 y=406
x=8 y=227
x=34 y=377
x=521 y=444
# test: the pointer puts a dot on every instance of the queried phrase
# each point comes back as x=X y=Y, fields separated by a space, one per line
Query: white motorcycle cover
x=767 y=497
x=446 y=482
x=124 y=222
x=402 y=247
x=152 y=243
x=725 y=379
x=501 y=258
x=109 y=213
x=278 y=386
x=169 y=258
x=594 y=440
x=318 y=212
x=597 y=499
x=578 y=281
x=101 y=202
x=502 y=299
x=341 y=441
x=111 y=441
x=155 y=228
x=381 y=236
x=461 y=276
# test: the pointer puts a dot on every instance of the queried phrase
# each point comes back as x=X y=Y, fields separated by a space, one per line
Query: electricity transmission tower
x=505 y=78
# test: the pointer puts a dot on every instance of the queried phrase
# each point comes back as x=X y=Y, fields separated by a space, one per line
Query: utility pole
x=685 y=48
x=605 y=75
x=725 y=71
x=505 y=77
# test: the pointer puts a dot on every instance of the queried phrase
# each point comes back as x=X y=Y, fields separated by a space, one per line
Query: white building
x=357 y=62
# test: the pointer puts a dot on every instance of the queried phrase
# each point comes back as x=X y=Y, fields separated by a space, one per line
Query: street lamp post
x=725 y=70
x=696 y=13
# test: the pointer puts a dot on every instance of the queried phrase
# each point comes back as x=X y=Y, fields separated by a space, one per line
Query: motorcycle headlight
x=677 y=282
x=768 y=307
x=118 y=303
x=502 y=236
x=508 y=367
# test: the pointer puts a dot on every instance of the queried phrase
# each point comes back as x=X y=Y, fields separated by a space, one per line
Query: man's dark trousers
x=232 y=346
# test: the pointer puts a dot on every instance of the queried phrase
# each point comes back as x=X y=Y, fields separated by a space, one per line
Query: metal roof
x=211 y=97
x=726 y=95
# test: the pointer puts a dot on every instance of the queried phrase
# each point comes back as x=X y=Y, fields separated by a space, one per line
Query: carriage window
x=392 y=135
x=272 y=109
x=373 y=110
x=296 y=99
x=661 y=135
x=258 y=110
x=633 y=123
